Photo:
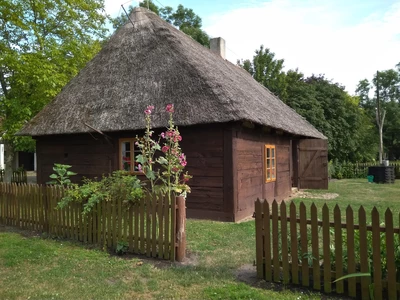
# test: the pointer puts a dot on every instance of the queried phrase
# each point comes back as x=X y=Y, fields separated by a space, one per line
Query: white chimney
x=217 y=45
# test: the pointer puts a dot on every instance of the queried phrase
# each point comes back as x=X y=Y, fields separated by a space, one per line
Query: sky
x=346 y=40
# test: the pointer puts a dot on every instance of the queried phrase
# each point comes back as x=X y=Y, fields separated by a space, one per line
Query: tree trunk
x=8 y=159
x=380 y=144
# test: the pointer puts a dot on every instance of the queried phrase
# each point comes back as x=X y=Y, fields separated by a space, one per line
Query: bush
x=348 y=170
x=120 y=185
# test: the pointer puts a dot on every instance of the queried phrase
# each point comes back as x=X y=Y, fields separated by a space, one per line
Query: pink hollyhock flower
x=165 y=149
x=175 y=169
x=183 y=163
x=139 y=167
x=170 y=133
x=149 y=109
x=170 y=108
x=179 y=138
x=163 y=135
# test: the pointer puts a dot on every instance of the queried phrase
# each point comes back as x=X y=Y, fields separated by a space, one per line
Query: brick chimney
x=217 y=45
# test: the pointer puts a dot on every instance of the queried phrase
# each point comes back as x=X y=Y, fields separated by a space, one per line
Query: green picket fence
x=347 y=170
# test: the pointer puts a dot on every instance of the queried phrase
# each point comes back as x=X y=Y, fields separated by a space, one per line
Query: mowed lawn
x=33 y=267
x=356 y=193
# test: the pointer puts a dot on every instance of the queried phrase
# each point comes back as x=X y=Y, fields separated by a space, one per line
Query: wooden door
x=313 y=164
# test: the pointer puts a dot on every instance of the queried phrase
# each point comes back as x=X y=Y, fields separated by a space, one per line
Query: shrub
x=120 y=185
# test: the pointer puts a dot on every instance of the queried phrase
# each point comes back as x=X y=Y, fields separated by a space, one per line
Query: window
x=270 y=163
x=127 y=154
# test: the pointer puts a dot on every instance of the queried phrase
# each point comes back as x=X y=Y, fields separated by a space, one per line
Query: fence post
x=180 y=228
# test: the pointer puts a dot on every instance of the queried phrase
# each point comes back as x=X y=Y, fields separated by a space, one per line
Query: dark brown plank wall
x=204 y=149
x=89 y=156
x=249 y=145
x=94 y=156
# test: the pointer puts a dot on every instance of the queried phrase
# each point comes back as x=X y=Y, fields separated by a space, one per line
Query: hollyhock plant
x=170 y=179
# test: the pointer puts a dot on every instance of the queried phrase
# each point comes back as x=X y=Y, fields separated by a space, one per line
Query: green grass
x=356 y=193
x=37 y=268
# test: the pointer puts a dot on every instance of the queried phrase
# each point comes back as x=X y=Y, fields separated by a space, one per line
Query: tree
x=183 y=18
x=387 y=89
x=267 y=70
x=43 y=44
x=323 y=103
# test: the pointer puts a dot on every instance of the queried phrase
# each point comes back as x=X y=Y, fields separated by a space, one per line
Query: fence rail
x=314 y=251
x=148 y=227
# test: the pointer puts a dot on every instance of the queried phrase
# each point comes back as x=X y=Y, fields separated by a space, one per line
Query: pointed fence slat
x=326 y=249
x=167 y=225
x=294 y=243
x=120 y=217
x=315 y=247
x=338 y=249
x=173 y=228
x=364 y=267
x=304 y=246
x=376 y=253
x=160 y=227
x=148 y=227
x=284 y=236
x=143 y=217
x=259 y=239
x=154 y=227
x=267 y=241
x=136 y=228
x=351 y=261
x=275 y=241
x=390 y=255
x=131 y=225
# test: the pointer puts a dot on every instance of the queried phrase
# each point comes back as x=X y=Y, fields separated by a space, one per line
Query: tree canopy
x=43 y=44
x=344 y=119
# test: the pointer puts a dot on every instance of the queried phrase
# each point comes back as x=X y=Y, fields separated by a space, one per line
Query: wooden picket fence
x=313 y=252
x=18 y=176
x=148 y=227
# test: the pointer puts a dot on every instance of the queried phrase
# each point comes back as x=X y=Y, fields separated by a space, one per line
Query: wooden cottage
x=240 y=140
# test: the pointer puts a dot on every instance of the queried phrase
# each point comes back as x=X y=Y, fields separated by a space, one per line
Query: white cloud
x=317 y=38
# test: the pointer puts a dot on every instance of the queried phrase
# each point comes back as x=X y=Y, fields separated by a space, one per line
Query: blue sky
x=347 y=40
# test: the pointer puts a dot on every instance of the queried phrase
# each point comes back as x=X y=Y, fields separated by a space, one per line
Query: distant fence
x=18 y=176
x=356 y=170
x=294 y=249
x=154 y=228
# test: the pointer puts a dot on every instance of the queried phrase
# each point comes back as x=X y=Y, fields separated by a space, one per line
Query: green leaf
x=141 y=159
x=150 y=175
x=53 y=176
x=353 y=275
x=161 y=160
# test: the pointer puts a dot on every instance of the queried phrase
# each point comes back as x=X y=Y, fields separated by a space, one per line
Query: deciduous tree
x=43 y=44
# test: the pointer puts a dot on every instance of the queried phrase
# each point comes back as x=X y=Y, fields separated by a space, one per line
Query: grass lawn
x=356 y=193
x=35 y=268
x=32 y=267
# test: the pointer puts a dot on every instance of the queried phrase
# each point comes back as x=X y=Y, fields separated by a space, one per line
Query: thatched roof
x=151 y=62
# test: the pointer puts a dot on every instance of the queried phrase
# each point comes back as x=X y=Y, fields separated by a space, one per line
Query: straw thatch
x=151 y=62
